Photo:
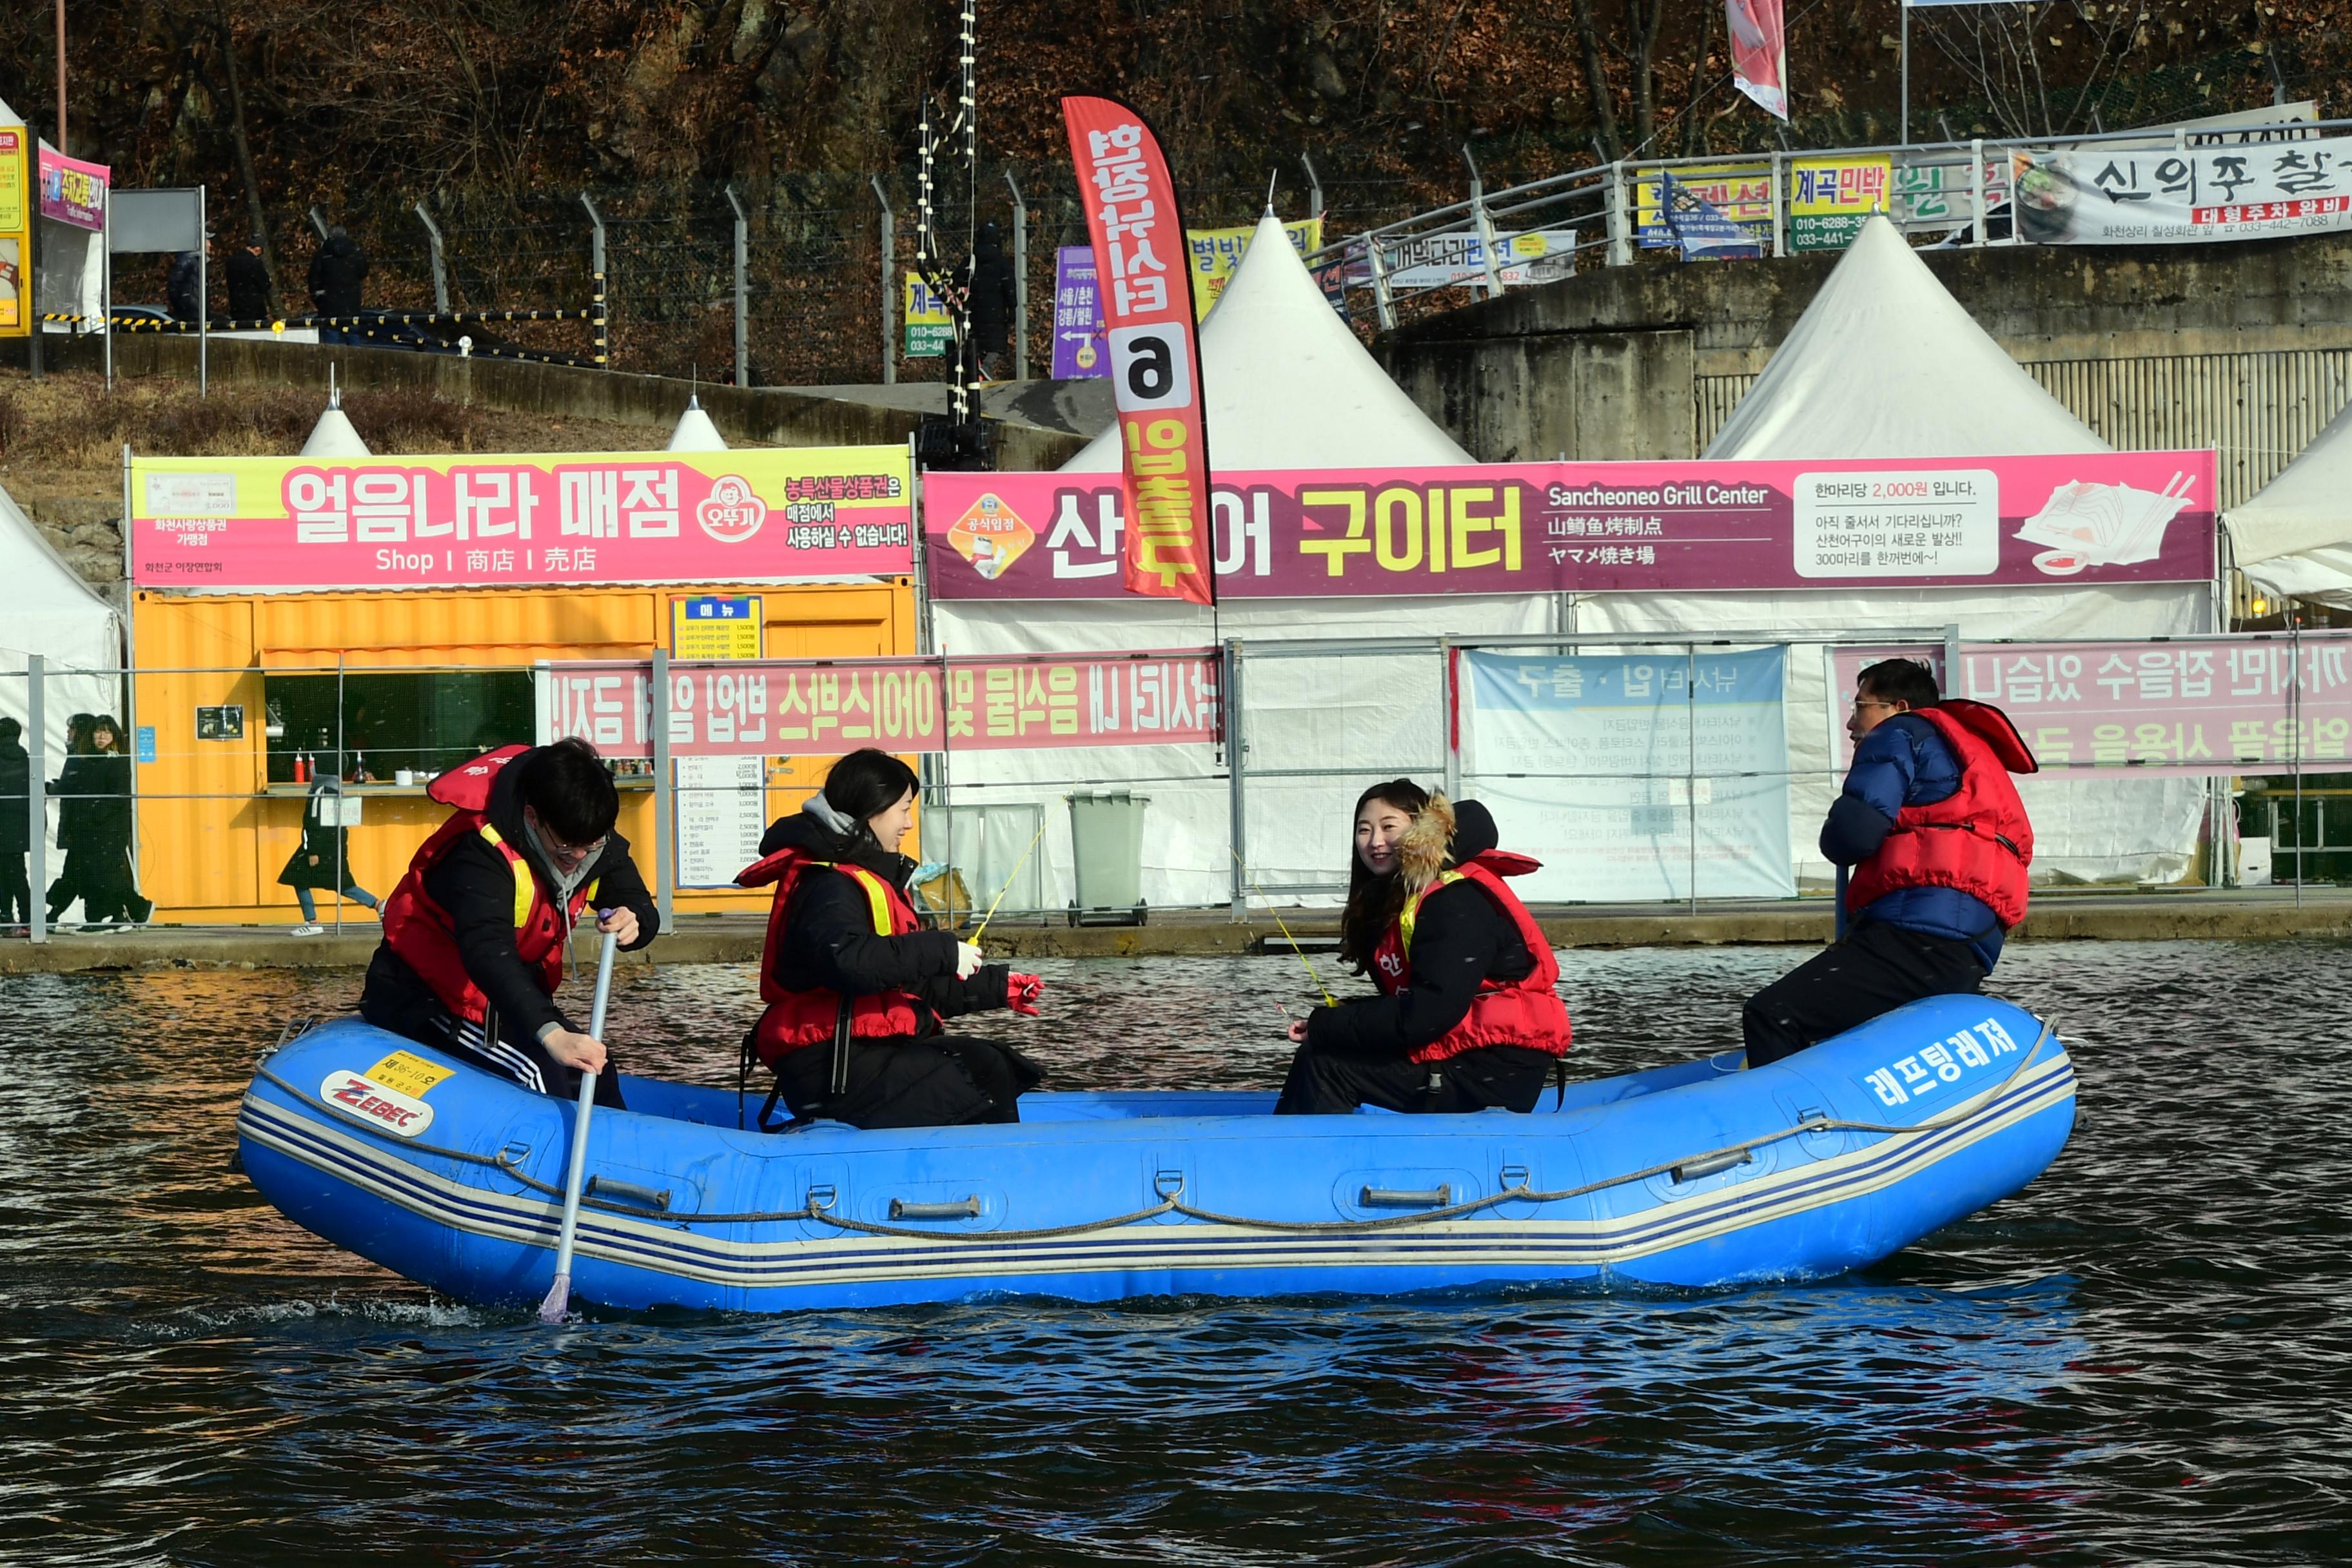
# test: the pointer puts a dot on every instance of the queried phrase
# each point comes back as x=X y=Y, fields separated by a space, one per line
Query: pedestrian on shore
x=98 y=849
x=988 y=297
x=248 y=285
x=322 y=860
x=183 y=294
x=16 y=828
x=336 y=274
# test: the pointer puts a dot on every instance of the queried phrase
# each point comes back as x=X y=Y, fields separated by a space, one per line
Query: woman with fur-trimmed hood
x=1468 y=1017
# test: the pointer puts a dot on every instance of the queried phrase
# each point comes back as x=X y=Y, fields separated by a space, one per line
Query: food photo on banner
x=1691 y=526
x=761 y=514
x=1145 y=266
x=1629 y=775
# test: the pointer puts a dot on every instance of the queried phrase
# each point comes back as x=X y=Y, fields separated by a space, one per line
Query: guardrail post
x=890 y=261
x=1976 y=188
x=743 y=288
x=1486 y=228
x=1620 y=237
x=598 y=322
x=1020 y=281
x=1775 y=248
x=665 y=797
x=1236 y=748
x=1383 y=307
x=440 y=264
x=37 y=796
x=1314 y=187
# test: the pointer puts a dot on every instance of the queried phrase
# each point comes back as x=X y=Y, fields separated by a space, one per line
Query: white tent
x=332 y=436
x=2293 y=540
x=1886 y=364
x=45 y=609
x=1288 y=386
x=695 y=432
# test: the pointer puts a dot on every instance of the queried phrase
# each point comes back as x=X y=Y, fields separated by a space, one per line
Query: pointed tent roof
x=695 y=432
x=1288 y=385
x=332 y=436
x=1886 y=364
x=2294 y=537
x=46 y=607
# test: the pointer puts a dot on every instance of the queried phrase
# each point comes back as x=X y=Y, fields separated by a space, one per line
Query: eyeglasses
x=572 y=851
x=1862 y=702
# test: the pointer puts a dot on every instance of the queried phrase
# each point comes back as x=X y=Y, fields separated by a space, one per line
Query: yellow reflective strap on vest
x=877 y=893
x=525 y=886
x=1411 y=913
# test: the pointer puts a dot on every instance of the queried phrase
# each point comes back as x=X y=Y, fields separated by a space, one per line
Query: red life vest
x=1526 y=1012
x=421 y=932
x=1975 y=840
x=795 y=1019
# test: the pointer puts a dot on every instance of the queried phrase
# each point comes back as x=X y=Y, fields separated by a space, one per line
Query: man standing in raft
x=474 y=933
x=1468 y=1017
x=856 y=988
x=1939 y=843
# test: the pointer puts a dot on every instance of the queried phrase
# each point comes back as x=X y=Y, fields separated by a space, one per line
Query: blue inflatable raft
x=1700 y=1174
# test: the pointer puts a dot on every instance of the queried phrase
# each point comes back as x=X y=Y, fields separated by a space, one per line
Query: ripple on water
x=2140 y=1358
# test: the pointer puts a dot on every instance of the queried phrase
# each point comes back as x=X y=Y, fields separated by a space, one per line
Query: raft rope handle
x=1173 y=1203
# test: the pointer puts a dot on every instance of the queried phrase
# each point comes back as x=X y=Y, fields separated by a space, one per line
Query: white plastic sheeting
x=45 y=609
x=1375 y=716
x=1886 y=364
x=2293 y=540
x=2106 y=829
x=1288 y=385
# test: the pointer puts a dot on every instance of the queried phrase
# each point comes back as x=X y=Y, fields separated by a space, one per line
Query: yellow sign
x=1217 y=251
x=1740 y=192
x=715 y=627
x=408 y=1073
x=930 y=326
x=16 y=248
x=1829 y=197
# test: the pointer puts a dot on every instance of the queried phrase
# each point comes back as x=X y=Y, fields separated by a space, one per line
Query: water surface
x=2143 y=1358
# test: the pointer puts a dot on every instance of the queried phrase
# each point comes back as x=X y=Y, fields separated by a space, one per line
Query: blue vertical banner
x=1634 y=776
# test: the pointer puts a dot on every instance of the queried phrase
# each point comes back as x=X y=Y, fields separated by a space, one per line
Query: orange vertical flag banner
x=1144 y=274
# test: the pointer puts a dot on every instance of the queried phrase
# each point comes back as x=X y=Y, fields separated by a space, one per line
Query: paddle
x=559 y=1295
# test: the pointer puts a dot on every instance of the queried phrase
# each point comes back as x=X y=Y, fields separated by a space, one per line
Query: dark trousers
x=1876 y=969
x=945 y=1081
x=1326 y=1083
x=506 y=1052
x=15 y=892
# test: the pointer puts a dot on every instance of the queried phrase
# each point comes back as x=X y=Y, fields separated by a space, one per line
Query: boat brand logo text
x=380 y=1103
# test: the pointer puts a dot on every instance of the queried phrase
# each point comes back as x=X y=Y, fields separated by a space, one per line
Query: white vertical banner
x=1759 y=53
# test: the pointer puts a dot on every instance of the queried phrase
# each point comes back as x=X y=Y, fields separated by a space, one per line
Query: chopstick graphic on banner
x=1009 y=880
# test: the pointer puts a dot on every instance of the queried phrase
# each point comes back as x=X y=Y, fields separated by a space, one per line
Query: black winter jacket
x=830 y=943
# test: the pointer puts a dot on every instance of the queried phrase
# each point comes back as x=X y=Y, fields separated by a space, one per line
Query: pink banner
x=1759 y=52
x=743 y=516
x=2202 y=706
x=800 y=708
x=2103 y=518
x=73 y=192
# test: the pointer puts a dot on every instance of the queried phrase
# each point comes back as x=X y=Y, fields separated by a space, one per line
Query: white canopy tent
x=45 y=609
x=1287 y=386
x=1886 y=364
x=2293 y=540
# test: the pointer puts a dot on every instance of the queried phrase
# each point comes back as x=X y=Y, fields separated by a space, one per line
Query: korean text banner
x=1501 y=528
x=1634 y=775
x=536 y=517
x=15 y=246
x=2244 y=704
x=1144 y=274
x=804 y=708
x=2095 y=195
x=1216 y=252
x=1078 y=316
x=73 y=192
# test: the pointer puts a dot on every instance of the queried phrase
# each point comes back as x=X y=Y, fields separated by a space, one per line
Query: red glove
x=1021 y=993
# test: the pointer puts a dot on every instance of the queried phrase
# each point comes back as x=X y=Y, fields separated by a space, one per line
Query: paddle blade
x=559 y=1297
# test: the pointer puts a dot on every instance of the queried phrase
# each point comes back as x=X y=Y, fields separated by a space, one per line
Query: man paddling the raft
x=1468 y=1017
x=1940 y=845
x=474 y=936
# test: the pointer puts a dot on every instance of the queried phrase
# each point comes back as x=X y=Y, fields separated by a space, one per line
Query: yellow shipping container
x=224 y=684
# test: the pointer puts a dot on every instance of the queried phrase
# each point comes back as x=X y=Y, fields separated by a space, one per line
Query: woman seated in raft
x=1466 y=1018
x=857 y=986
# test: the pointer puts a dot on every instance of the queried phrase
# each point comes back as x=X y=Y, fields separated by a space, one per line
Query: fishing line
x=1009 y=880
x=1329 y=1000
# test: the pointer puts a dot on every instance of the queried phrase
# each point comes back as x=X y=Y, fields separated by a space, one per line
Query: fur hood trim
x=1422 y=852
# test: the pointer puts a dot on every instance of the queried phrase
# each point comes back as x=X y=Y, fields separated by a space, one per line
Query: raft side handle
x=627 y=1193
x=1692 y=1170
x=1167 y=1183
x=1405 y=1197
x=1514 y=1178
x=963 y=1208
x=820 y=1196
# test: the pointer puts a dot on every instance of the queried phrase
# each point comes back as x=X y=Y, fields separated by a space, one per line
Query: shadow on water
x=2140 y=1358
